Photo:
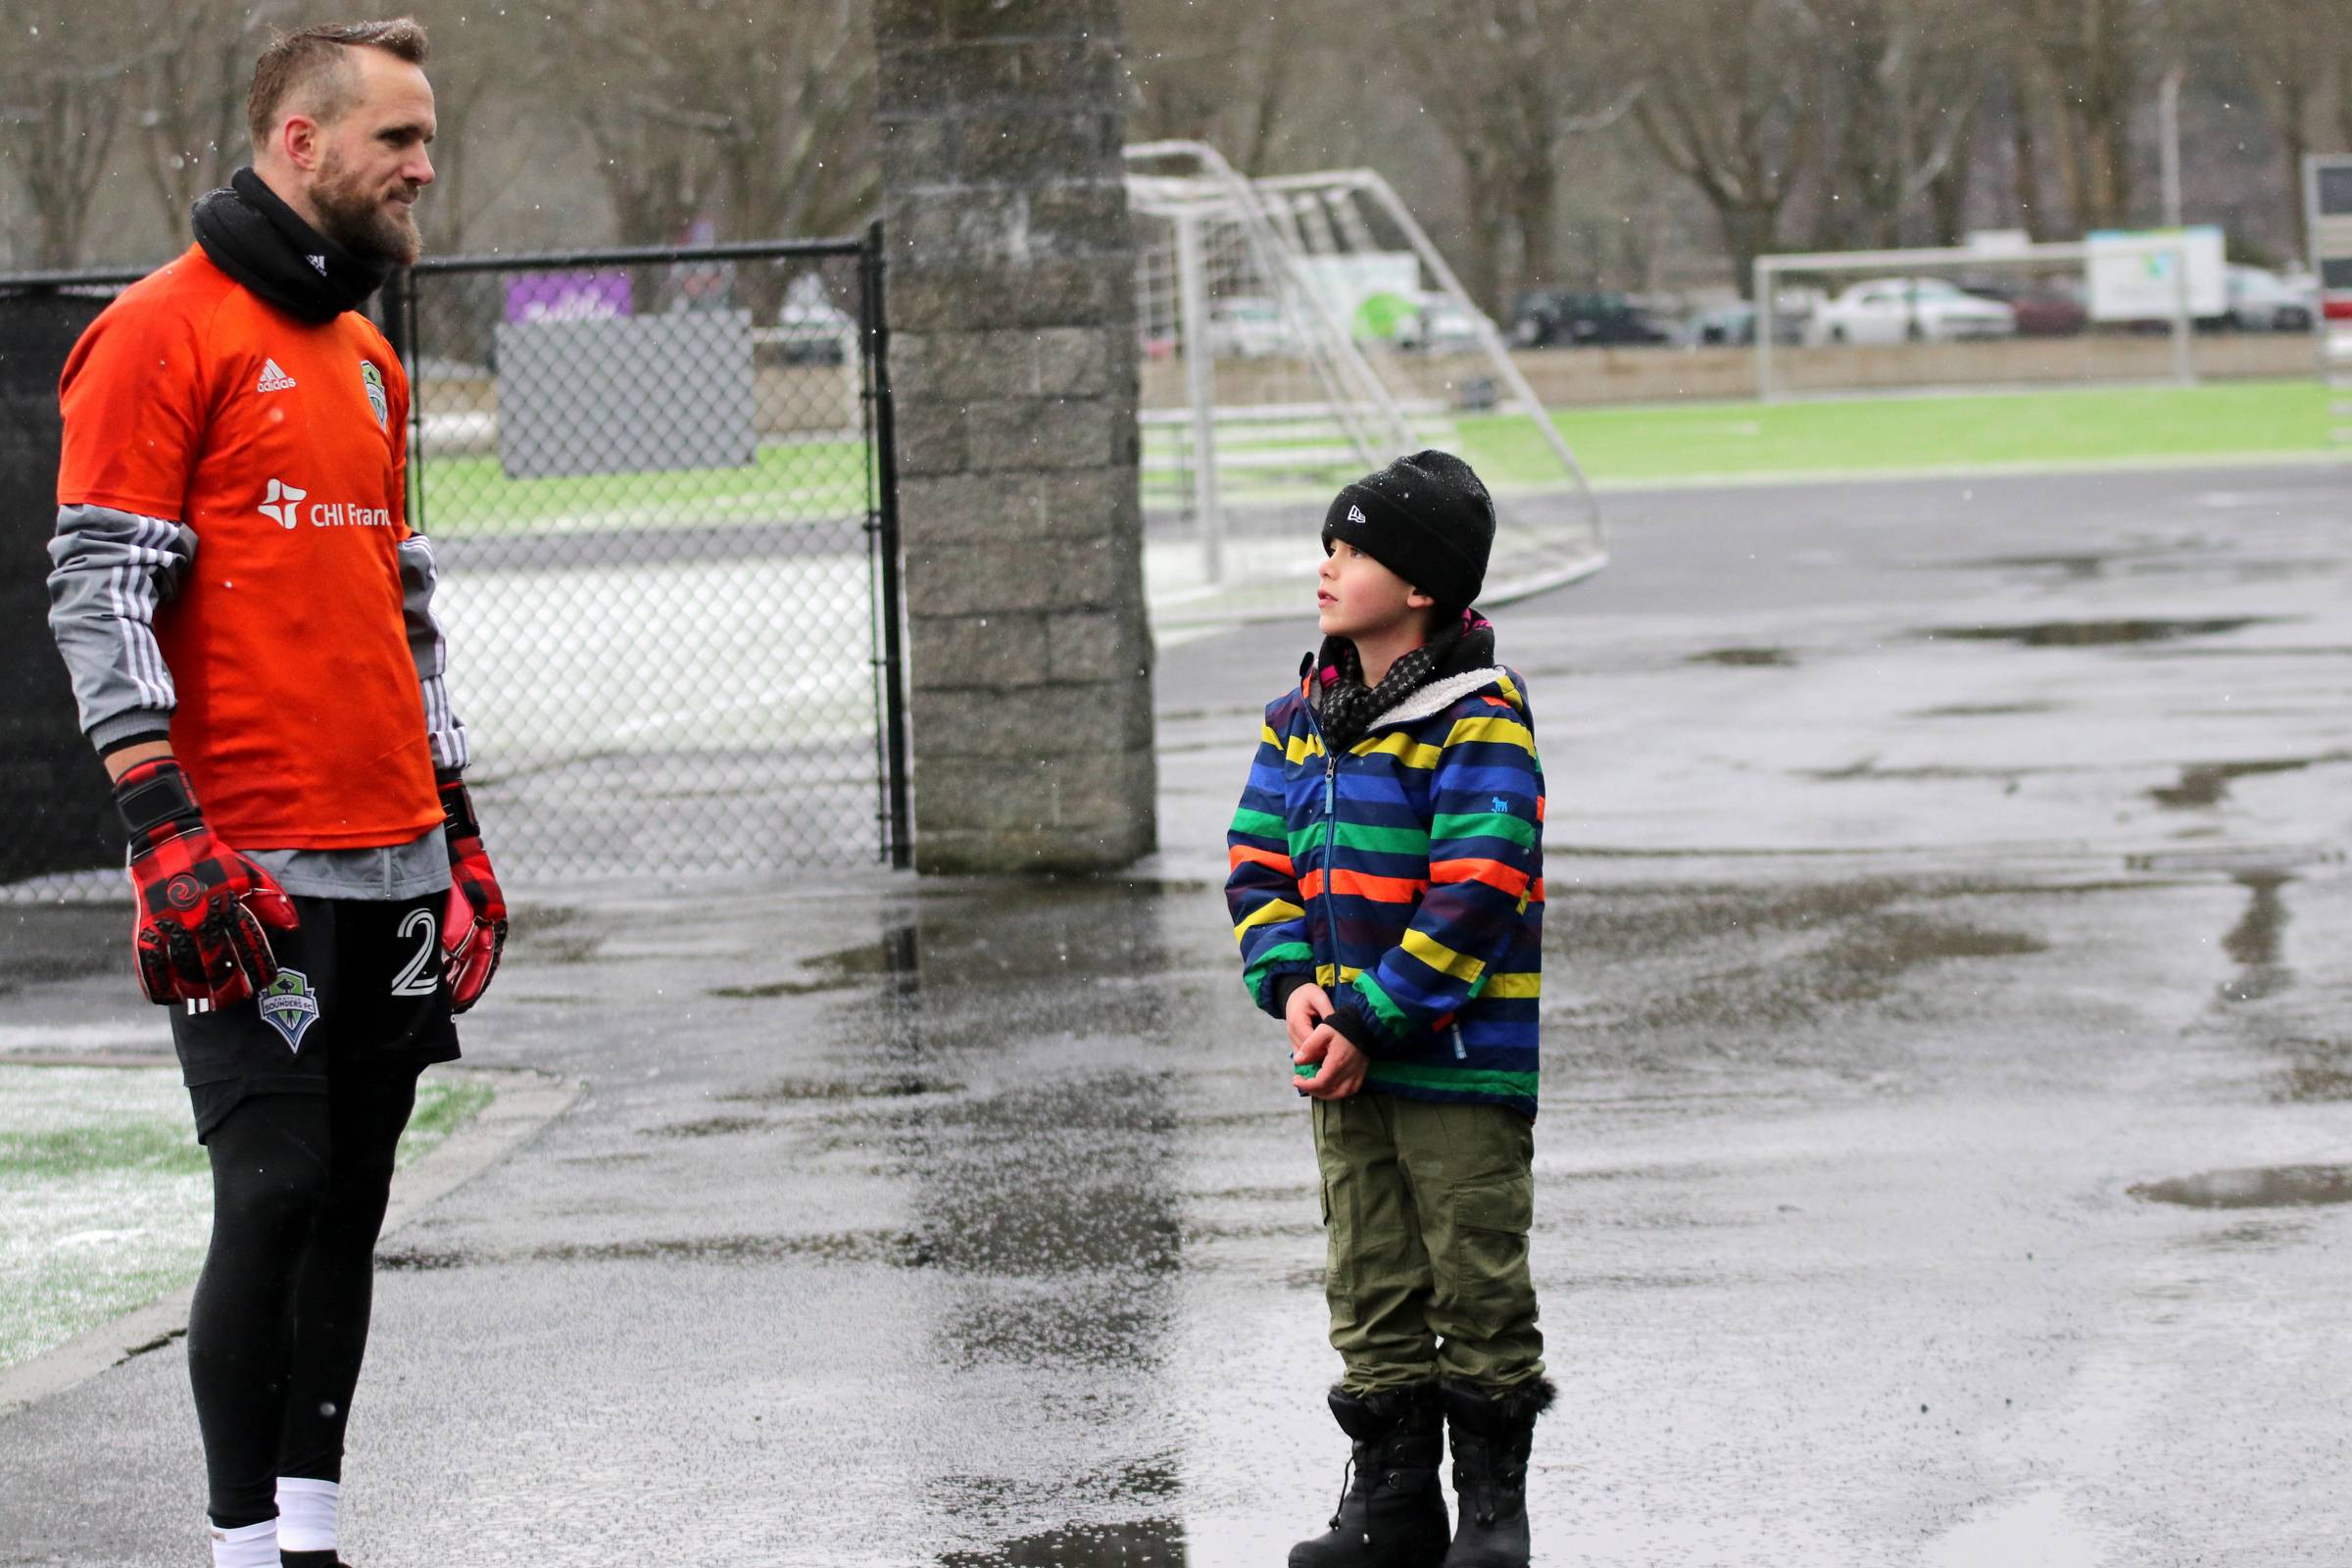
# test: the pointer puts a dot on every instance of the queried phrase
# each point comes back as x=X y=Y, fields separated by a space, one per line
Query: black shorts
x=359 y=987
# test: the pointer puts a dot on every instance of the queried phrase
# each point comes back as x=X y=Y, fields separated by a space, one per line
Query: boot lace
x=1347 y=1479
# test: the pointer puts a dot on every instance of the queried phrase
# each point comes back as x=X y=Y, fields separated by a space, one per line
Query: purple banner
x=568 y=297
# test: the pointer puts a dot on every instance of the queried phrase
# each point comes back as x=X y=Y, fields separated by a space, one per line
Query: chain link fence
x=659 y=493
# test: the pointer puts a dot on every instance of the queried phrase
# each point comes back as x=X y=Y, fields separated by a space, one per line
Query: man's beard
x=361 y=221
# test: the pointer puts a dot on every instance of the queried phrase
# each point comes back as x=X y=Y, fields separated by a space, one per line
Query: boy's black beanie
x=1427 y=519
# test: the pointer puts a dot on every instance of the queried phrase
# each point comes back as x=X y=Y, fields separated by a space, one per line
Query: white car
x=1248 y=326
x=1909 y=310
x=2265 y=301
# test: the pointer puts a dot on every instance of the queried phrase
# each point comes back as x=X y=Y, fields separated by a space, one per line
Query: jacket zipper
x=1331 y=833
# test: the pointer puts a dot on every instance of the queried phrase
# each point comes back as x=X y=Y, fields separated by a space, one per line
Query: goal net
x=1298 y=332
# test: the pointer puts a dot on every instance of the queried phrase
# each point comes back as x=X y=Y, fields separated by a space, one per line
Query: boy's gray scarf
x=1345 y=707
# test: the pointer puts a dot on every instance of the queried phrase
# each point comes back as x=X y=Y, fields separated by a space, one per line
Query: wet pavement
x=1946 y=1140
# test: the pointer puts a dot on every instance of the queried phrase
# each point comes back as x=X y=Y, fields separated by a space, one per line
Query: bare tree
x=1538 y=82
x=756 y=118
x=1219 y=72
x=2091 y=57
x=62 y=84
x=1899 y=106
x=487 y=70
x=2273 y=39
x=188 y=93
x=1728 y=104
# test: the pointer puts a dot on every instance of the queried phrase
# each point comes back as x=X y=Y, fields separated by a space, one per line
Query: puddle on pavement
x=1142 y=1543
x=1746 y=657
x=1781 y=957
x=782 y=988
x=2207 y=784
x=2075 y=568
x=801 y=1091
x=2324 y=1078
x=707 y=1127
x=2254 y=944
x=2267 y=1186
x=2095 y=634
x=1985 y=710
x=893 y=1248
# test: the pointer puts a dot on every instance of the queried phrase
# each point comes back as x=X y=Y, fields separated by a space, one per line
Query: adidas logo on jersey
x=280 y=503
x=273 y=379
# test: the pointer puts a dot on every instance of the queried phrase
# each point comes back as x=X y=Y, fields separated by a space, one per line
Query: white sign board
x=1366 y=293
x=2135 y=285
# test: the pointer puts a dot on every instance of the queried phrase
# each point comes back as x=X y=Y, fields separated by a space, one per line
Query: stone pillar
x=1010 y=278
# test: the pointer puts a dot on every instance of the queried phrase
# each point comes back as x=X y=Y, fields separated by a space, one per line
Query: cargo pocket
x=1490 y=1222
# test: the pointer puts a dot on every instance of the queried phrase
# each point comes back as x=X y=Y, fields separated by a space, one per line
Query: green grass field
x=796 y=482
x=1648 y=444
x=1862 y=435
x=105 y=1196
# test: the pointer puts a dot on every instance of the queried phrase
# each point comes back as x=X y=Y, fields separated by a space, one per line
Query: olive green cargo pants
x=1426 y=1208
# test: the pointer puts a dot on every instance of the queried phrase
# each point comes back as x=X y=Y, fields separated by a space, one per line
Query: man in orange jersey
x=248 y=622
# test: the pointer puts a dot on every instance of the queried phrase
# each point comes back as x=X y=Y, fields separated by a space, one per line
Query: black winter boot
x=1392 y=1514
x=1493 y=1435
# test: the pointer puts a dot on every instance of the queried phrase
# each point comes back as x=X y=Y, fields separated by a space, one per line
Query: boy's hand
x=1309 y=1006
x=1343 y=1071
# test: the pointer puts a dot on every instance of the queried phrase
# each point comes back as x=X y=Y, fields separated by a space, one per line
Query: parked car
x=2262 y=301
x=1736 y=324
x=1547 y=318
x=1441 y=325
x=1913 y=310
x=810 y=330
x=2046 y=306
x=1248 y=326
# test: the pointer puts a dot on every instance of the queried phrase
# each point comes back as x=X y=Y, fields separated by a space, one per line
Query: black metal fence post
x=883 y=457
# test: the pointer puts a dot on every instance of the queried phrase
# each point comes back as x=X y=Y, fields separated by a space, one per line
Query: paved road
x=1948 y=1105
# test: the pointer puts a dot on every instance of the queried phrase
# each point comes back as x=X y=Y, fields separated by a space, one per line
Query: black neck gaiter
x=263 y=244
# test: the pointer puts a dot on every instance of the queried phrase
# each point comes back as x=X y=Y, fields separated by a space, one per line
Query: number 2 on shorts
x=414 y=981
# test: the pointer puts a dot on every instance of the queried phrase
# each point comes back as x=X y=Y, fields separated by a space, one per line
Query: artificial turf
x=1646 y=444
x=105 y=1196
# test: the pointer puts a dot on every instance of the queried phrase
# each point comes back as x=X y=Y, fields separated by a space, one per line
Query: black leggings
x=280 y=1316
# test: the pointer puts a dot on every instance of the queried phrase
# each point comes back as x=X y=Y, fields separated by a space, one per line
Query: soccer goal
x=1999 y=311
x=1296 y=333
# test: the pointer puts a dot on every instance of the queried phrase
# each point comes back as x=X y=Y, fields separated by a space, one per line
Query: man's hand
x=1308 y=1005
x=202 y=905
x=473 y=925
x=1342 y=1065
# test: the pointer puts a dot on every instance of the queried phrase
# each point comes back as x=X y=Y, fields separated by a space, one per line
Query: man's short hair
x=315 y=64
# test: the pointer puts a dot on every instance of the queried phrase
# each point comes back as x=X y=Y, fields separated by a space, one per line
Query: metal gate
x=660 y=492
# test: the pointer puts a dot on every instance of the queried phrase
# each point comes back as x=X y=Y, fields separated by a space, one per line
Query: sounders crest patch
x=290 y=1006
x=374 y=379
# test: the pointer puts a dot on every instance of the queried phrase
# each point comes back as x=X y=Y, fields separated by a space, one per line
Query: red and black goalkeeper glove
x=473 y=928
x=202 y=905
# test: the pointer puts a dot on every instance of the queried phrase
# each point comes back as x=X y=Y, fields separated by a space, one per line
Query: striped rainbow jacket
x=1406 y=878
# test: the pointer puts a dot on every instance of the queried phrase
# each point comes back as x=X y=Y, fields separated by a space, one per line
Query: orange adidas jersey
x=284 y=445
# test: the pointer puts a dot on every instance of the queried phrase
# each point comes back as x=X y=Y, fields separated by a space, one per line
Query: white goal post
x=1302 y=326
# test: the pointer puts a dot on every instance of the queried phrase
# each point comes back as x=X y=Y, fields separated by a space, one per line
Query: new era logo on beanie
x=1427 y=519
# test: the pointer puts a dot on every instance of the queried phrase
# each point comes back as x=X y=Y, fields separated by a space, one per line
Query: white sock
x=246 y=1546
x=306 y=1514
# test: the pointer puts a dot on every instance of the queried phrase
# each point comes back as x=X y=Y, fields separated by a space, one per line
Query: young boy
x=1387 y=893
